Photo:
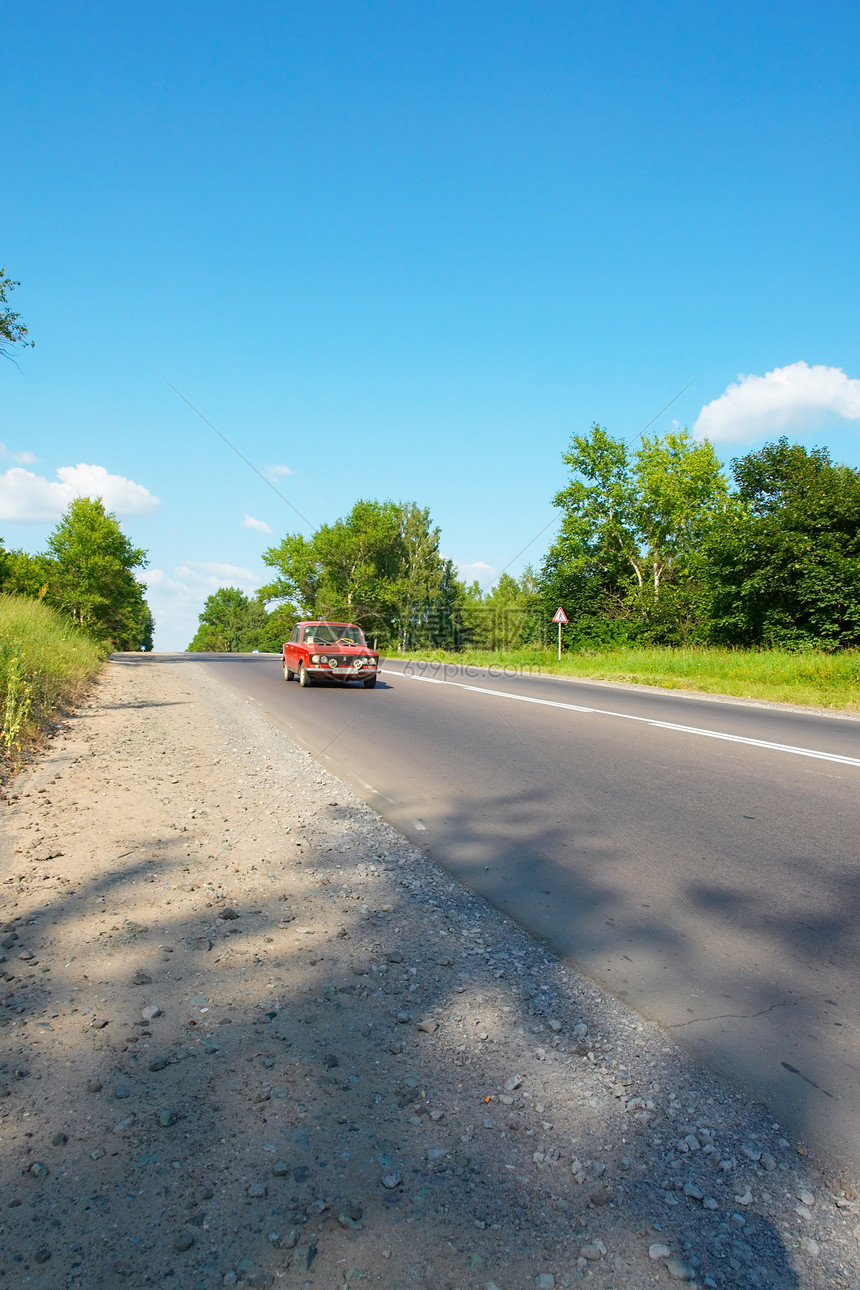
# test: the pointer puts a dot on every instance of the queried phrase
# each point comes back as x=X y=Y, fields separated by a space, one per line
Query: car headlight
x=357 y=662
x=315 y=658
x=332 y=662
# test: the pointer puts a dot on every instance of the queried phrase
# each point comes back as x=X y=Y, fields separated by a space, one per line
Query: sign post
x=559 y=617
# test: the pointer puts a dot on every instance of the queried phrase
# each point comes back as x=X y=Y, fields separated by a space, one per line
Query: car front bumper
x=340 y=671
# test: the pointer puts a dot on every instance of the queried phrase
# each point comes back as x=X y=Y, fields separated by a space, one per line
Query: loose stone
x=351 y=1224
x=677 y=1268
x=303 y=1257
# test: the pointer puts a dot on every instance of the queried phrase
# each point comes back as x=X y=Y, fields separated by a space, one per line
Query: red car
x=336 y=650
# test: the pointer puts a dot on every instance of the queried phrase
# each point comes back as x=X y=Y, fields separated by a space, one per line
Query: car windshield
x=333 y=633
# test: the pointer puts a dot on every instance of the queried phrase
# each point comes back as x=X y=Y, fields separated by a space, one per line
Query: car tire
x=305 y=678
x=289 y=674
x=370 y=683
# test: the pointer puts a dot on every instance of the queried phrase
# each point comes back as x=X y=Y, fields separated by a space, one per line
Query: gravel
x=344 y=1068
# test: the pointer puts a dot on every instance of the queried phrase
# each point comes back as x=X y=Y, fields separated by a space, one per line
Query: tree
x=378 y=567
x=92 y=578
x=12 y=330
x=631 y=531
x=429 y=595
x=507 y=616
x=346 y=570
x=783 y=565
x=22 y=574
x=587 y=567
x=277 y=626
x=230 y=623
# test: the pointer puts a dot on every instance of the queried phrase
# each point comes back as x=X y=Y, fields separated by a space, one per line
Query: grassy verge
x=45 y=665
x=812 y=678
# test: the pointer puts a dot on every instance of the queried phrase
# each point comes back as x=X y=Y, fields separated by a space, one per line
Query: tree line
x=658 y=544
x=87 y=574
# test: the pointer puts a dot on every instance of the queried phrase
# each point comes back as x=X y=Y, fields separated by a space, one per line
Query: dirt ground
x=251 y=1036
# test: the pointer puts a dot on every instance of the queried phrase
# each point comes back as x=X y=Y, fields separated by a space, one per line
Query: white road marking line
x=646 y=721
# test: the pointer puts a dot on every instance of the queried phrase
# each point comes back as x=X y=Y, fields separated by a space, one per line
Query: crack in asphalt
x=735 y=1016
x=748 y=1016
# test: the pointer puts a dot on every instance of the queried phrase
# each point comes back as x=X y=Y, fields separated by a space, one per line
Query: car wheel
x=289 y=674
x=304 y=676
x=370 y=683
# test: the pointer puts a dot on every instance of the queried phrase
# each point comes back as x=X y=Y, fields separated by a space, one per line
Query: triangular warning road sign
x=560 y=616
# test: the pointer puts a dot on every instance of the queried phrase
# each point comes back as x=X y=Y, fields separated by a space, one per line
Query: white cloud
x=20 y=458
x=176 y=598
x=797 y=397
x=277 y=472
x=476 y=571
x=197 y=579
x=249 y=522
x=25 y=497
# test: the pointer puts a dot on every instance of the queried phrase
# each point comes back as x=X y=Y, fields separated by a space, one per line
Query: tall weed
x=45 y=665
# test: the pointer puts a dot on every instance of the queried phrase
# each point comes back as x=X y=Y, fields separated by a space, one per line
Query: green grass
x=813 y=678
x=46 y=664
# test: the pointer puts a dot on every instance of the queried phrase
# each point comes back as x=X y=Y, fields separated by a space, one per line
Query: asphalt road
x=697 y=858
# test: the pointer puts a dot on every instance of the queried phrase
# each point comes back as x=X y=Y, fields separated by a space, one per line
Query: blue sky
x=405 y=250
